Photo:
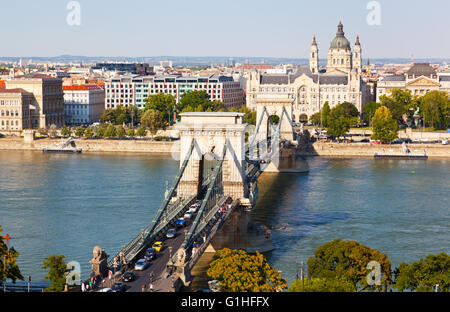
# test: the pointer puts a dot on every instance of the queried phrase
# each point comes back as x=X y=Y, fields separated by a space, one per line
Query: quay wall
x=147 y=146
x=368 y=150
x=95 y=146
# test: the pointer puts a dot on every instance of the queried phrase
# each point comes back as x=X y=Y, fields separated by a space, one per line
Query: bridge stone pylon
x=211 y=132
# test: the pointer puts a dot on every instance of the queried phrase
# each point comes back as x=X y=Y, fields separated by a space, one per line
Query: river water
x=67 y=204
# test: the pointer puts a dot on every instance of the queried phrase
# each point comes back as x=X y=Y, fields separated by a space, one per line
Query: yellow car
x=158 y=246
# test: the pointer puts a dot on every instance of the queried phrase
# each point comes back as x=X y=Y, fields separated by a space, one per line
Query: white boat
x=405 y=153
x=65 y=147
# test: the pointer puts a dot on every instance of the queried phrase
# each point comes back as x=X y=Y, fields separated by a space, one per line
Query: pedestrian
x=143 y=287
x=87 y=287
x=83 y=288
x=151 y=287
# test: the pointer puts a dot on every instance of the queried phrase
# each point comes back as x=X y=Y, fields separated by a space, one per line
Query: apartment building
x=48 y=98
x=83 y=104
x=133 y=90
x=15 y=110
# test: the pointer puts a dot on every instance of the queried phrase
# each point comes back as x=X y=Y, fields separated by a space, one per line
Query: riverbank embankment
x=94 y=145
x=368 y=149
x=172 y=147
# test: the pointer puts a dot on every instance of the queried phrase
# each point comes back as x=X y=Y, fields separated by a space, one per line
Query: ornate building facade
x=420 y=79
x=310 y=87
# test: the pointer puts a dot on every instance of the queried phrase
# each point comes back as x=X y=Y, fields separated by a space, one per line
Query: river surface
x=67 y=204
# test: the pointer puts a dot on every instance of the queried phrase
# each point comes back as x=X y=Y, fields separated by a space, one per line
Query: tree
x=321 y=285
x=347 y=261
x=10 y=269
x=338 y=123
x=153 y=120
x=274 y=119
x=108 y=115
x=79 y=131
x=316 y=118
x=65 y=132
x=121 y=133
x=250 y=115
x=110 y=131
x=194 y=101
x=164 y=103
x=369 y=110
x=53 y=131
x=238 y=271
x=326 y=111
x=399 y=103
x=56 y=272
x=131 y=133
x=89 y=133
x=100 y=131
x=141 y=132
x=435 y=109
x=423 y=275
x=384 y=127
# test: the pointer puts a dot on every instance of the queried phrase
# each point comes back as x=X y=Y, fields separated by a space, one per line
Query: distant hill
x=200 y=60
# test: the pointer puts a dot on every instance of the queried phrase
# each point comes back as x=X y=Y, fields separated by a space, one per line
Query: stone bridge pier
x=210 y=132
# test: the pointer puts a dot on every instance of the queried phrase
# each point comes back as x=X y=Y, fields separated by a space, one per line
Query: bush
x=141 y=132
x=162 y=138
x=131 y=133
x=79 y=131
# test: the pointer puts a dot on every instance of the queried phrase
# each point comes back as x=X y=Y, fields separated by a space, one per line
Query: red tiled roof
x=82 y=88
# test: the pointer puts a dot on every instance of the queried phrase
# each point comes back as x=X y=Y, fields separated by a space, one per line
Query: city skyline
x=200 y=29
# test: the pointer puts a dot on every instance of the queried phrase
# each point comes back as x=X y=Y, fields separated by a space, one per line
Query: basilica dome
x=340 y=42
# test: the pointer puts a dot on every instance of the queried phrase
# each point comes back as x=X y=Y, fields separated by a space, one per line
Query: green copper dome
x=340 y=42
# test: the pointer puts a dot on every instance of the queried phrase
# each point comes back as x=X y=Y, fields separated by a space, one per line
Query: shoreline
x=140 y=146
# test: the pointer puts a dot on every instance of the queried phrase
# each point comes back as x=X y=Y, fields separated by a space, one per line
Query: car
x=187 y=215
x=180 y=222
x=150 y=254
x=118 y=286
x=171 y=233
x=192 y=210
x=444 y=142
x=141 y=265
x=105 y=290
x=158 y=246
x=128 y=276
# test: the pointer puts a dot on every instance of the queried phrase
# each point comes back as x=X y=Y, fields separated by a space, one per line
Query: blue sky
x=260 y=28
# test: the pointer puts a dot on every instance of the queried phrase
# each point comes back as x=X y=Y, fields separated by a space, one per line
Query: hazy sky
x=275 y=28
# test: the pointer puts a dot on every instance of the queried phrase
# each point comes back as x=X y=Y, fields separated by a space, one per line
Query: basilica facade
x=309 y=87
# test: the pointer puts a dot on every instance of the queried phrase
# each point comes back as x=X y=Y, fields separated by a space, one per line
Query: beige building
x=420 y=79
x=48 y=98
x=310 y=87
x=15 y=113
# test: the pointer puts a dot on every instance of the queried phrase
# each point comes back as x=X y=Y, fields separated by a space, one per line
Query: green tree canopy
x=131 y=133
x=121 y=133
x=435 y=109
x=338 y=123
x=162 y=102
x=110 y=131
x=153 y=120
x=89 y=133
x=400 y=103
x=10 y=255
x=238 y=271
x=423 y=275
x=141 y=132
x=369 y=110
x=326 y=111
x=56 y=272
x=321 y=285
x=250 y=115
x=79 y=131
x=384 y=127
x=194 y=101
x=316 y=118
x=347 y=261
x=65 y=132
